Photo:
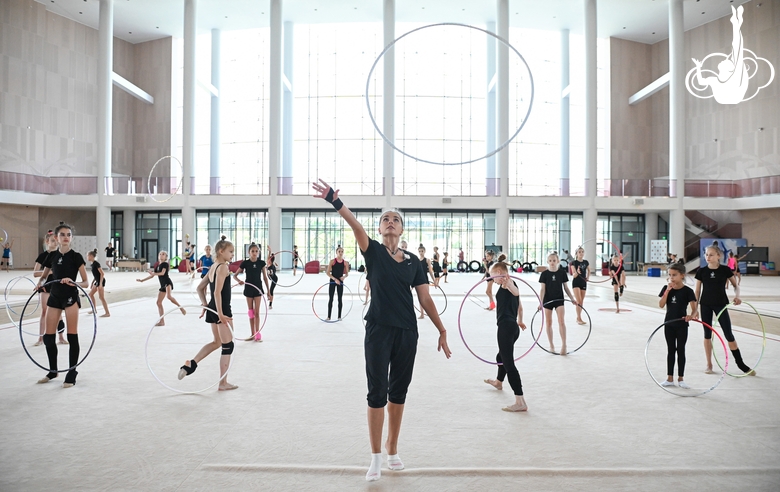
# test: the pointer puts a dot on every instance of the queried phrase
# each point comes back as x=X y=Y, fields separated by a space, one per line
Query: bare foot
x=709 y=370
x=515 y=408
x=580 y=322
x=227 y=387
x=107 y=315
x=495 y=383
x=617 y=311
x=160 y=323
x=422 y=316
x=183 y=311
x=552 y=349
x=563 y=350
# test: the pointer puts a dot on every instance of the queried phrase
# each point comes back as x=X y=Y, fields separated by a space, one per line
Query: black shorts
x=60 y=303
x=213 y=318
x=164 y=289
x=615 y=281
x=94 y=283
x=553 y=304
x=393 y=348
x=579 y=283
x=250 y=291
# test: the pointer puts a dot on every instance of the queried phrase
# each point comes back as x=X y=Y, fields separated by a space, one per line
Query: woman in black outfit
x=98 y=282
x=271 y=264
x=338 y=269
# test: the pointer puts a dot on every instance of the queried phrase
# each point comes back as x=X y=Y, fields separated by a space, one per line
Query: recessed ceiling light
x=624 y=27
x=653 y=32
x=130 y=32
x=225 y=17
x=81 y=12
x=157 y=27
x=702 y=13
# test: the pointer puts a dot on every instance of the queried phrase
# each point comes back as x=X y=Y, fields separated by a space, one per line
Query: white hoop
x=149 y=180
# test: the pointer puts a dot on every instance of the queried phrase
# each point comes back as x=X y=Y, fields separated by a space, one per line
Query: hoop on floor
x=650 y=372
x=149 y=180
x=590 y=327
x=94 y=334
x=612 y=310
x=10 y=287
x=146 y=352
x=497 y=38
x=442 y=293
x=763 y=339
x=303 y=269
x=620 y=255
x=265 y=313
x=460 y=327
x=351 y=302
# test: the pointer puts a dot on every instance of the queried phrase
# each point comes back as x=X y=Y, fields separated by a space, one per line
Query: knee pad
x=251 y=313
x=50 y=340
x=227 y=348
x=60 y=326
x=617 y=297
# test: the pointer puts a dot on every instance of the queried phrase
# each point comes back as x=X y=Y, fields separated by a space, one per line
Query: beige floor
x=596 y=420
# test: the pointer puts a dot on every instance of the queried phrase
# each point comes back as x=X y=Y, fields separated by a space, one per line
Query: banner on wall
x=724 y=245
x=658 y=250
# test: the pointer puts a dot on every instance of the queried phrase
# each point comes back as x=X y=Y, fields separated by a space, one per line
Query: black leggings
x=676 y=336
x=507 y=335
x=274 y=279
x=332 y=287
x=390 y=353
x=708 y=313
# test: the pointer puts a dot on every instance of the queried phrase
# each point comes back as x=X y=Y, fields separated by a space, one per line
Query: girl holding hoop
x=711 y=292
x=49 y=244
x=618 y=275
x=509 y=318
x=218 y=281
x=580 y=272
x=98 y=282
x=7 y=254
x=338 y=269
x=427 y=269
x=554 y=281
x=488 y=261
x=64 y=264
x=255 y=271
x=676 y=297
x=391 y=327
x=166 y=285
x=274 y=278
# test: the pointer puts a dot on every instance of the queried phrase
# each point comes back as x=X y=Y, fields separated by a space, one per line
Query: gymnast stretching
x=391 y=328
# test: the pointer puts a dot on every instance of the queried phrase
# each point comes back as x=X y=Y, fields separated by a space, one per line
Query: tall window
x=333 y=136
x=158 y=231
x=627 y=233
x=534 y=235
x=241 y=227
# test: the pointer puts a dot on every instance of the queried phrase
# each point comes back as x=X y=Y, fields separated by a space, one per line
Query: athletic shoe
x=684 y=385
x=666 y=384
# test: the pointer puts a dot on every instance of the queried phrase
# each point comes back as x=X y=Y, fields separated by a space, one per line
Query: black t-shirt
x=164 y=278
x=581 y=267
x=391 y=298
x=96 y=271
x=110 y=252
x=254 y=272
x=618 y=269
x=506 y=305
x=41 y=260
x=677 y=304
x=554 y=284
x=64 y=266
x=713 y=283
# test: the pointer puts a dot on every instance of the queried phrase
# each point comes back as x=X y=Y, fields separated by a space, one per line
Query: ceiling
x=645 y=21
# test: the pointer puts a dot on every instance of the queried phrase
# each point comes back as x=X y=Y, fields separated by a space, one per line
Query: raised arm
x=327 y=193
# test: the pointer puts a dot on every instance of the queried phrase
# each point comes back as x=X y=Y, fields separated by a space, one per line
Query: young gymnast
x=445 y=267
x=711 y=292
x=206 y=261
x=391 y=328
x=488 y=262
x=7 y=253
x=676 y=297
x=580 y=272
x=188 y=251
x=49 y=245
x=256 y=274
x=733 y=264
x=98 y=283
x=509 y=318
x=166 y=285
x=110 y=256
x=554 y=282
x=295 y=259
x=64 y=264
x=427 y=268
x=436 y=266
x=218 y=281
x=271 y=265
x=618 y=275
x=338 y=269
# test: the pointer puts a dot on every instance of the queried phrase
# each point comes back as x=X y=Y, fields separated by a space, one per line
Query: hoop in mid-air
x=149 y=180
x=497 y=38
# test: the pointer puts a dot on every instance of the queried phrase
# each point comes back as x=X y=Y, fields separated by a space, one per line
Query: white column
x=275 y=122
x=287 y=112
x=651 y=231
x=677 y=126
x=492 y=182
x=591 y=169
x=104 y=136
x=216 y=67
x=502 y=125
x=565 y=89
x=388 y=98
x=188 y=128
x=128 y=233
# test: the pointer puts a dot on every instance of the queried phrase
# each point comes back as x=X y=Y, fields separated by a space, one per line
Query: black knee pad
x=617 y=297
x=227 y=348
x=50 y=340
x=60 y=326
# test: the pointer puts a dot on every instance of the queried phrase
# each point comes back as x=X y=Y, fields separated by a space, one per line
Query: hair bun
x=421 y=245
x=62 y=223
x=224 y=237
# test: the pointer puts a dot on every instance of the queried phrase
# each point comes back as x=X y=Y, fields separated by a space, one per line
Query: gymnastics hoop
x=590 y=326
x=442 y=293
x=265 y=315
x=361 y=287
x=763 y=341
x=5 y=236
x=497 y=149
x=620 y=255
x=472 y=268
x=462 y=266
x=725 y=351
x=325 y=320
x=9 y=287
x=303 y=269
x=149 y=366
x=149 y=180
x=460 y=328
x=94 y=334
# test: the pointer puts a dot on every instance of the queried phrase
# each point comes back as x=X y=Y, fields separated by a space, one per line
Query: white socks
x=394 y=462
x=375 y=470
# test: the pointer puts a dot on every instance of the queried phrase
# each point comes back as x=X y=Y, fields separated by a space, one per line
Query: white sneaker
x=667 y=383
x=683 y=385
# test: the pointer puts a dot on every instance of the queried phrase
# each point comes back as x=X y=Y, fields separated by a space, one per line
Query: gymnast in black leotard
x=98 y=282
